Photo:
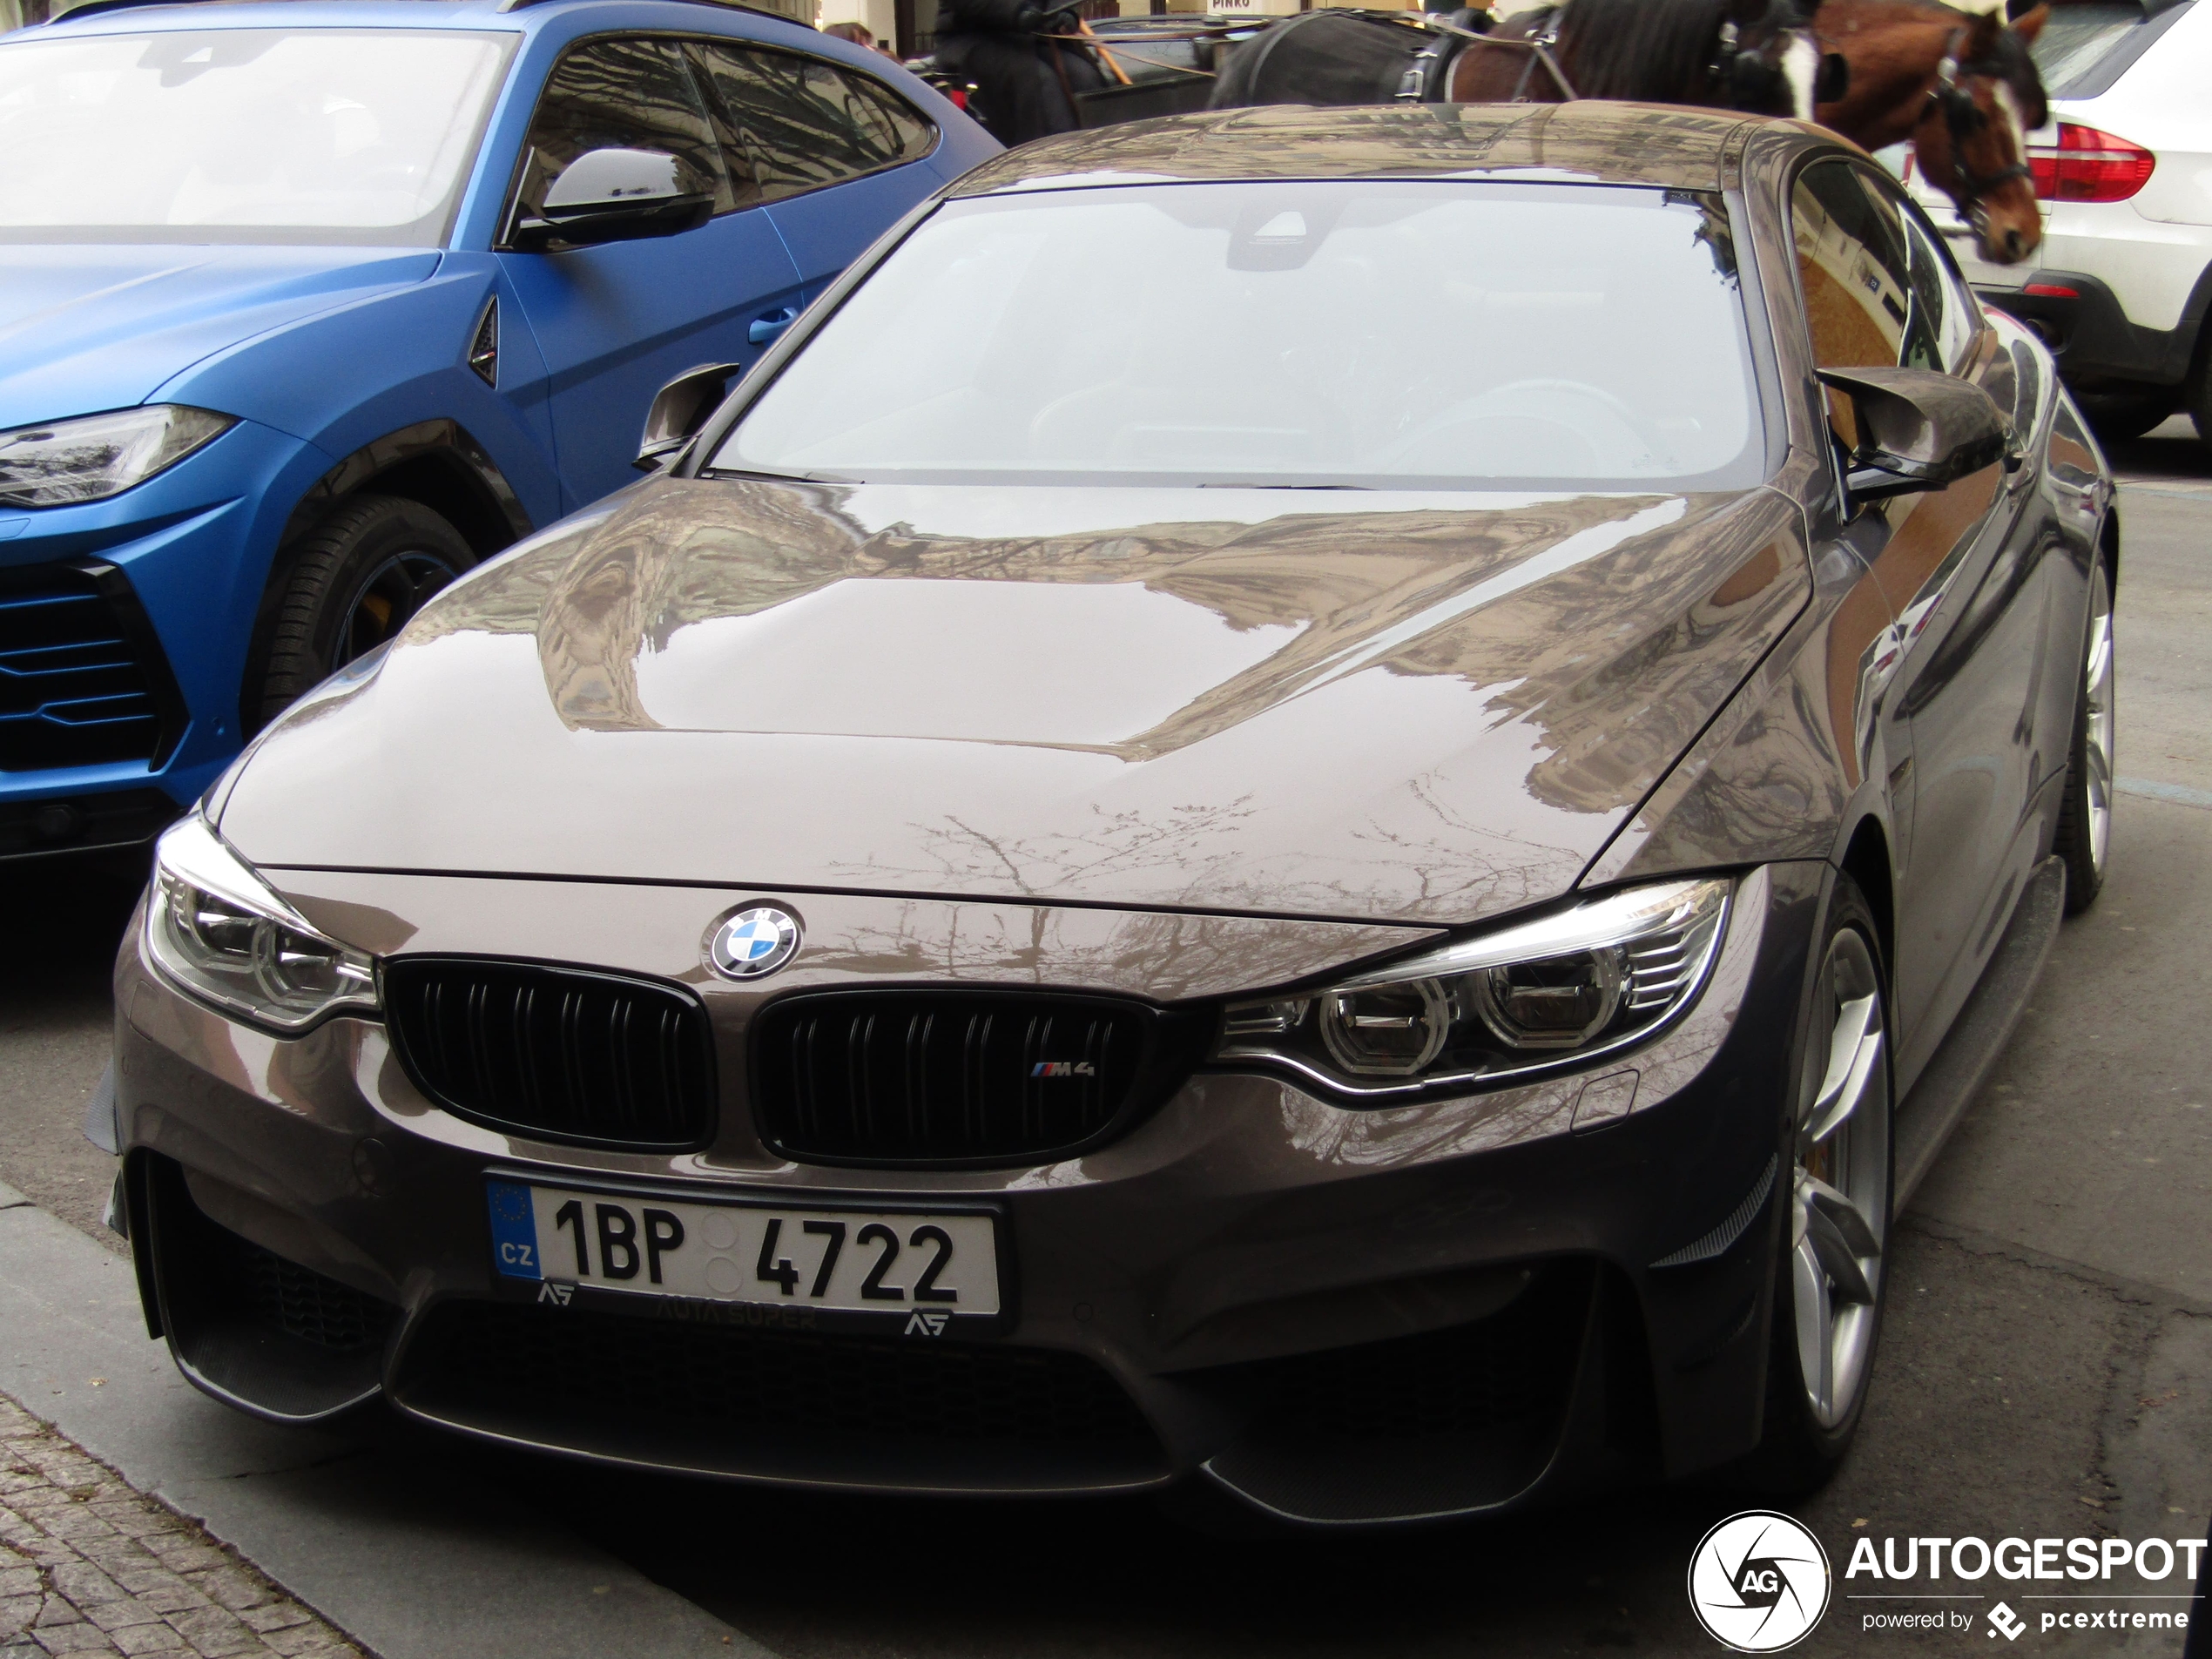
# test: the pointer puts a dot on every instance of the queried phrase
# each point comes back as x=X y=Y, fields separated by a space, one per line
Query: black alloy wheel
x=1831 y=1279
x=2085 y=817
x=354 y=581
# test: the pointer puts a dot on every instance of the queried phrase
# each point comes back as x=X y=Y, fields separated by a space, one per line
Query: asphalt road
x=2046 y=1369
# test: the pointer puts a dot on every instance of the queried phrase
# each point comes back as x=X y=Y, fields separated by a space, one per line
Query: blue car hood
x=93 y=327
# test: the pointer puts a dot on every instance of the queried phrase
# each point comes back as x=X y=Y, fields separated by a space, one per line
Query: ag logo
x=1759 y=1582
x=753 y=943
x=559 y=1295
x=927 y=1324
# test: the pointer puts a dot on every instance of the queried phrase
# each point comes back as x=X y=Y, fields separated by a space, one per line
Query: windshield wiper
x=1233 y=484
x=780 y=477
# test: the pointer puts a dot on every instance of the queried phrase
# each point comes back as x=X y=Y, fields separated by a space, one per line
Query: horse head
x=1768 y=62
x=1972 y=141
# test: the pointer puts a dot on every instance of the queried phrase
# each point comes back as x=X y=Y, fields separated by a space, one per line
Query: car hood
x=1418 y=707
x=93 y=327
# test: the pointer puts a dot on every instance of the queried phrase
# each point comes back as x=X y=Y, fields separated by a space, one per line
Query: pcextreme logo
x=1759 y=1582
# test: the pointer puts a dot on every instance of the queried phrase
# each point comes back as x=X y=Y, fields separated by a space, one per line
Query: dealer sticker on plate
x=891 y=1263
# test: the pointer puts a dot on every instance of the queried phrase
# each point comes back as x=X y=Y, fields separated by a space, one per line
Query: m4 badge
x=1063 y=1068
x=927 y=1324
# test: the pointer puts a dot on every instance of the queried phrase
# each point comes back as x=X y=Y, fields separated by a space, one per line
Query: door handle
x=766 y=326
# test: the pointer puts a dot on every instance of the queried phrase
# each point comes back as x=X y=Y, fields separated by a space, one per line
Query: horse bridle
x=1965 y=117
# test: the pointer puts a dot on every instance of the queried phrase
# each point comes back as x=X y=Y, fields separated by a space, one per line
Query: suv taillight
x=2089 y=166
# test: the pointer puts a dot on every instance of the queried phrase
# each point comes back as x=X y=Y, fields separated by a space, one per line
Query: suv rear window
x=2084 y=48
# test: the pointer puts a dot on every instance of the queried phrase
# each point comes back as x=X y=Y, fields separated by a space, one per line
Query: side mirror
x=1917 y=430
x=616 y=196
x=679 y=409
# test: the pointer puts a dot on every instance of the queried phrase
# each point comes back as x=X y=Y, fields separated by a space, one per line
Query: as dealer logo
x=1759 y=1582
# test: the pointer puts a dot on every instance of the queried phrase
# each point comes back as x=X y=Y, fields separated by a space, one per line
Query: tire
x=2197 y=396
x=1830 y=1283
x=351 y=584
x=2084 y=816
x=2121 y=417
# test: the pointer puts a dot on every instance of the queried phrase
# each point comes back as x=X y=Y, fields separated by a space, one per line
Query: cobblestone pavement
x=88 y=1565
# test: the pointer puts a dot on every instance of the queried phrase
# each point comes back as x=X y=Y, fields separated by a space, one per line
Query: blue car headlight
x=98 y=456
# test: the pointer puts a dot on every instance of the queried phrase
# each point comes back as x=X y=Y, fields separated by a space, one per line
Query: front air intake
x=559 y=1054
x=947 y=1077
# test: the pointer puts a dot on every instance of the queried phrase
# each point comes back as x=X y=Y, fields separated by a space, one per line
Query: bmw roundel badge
x=754 y=943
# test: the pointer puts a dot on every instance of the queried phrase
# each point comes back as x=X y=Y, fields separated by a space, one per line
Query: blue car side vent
x=765 y=328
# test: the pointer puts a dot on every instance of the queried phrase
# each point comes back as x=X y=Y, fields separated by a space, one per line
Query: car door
x=836 y=153
x=1960 y=568
x=617 y=321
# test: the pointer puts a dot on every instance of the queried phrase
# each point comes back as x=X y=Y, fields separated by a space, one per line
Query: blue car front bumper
x=125 y=630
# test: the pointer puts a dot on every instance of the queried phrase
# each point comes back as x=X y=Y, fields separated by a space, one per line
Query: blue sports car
x=306 y=307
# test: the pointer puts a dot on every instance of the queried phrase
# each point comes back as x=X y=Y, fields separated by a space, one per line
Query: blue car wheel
x=356 y=579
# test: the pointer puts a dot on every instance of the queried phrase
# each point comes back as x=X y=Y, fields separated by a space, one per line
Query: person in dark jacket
x=1027 y=63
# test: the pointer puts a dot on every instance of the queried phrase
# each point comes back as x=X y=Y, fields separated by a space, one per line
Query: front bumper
x=125 y=630
x=1344 y=1316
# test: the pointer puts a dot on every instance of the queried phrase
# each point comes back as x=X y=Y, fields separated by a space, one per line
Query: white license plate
x=891 y=1262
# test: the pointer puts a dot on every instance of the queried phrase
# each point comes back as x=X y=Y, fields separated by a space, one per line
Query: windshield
x=1380 y=333
x=242 y=135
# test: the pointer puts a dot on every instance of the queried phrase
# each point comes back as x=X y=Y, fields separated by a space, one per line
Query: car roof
x=1590 y=140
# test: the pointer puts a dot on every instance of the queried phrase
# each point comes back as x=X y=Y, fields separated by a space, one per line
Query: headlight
x=1562 y=989
x=99 y=456
x=215 y=929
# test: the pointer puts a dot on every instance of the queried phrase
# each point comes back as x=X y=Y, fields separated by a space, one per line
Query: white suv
x=2119 y=289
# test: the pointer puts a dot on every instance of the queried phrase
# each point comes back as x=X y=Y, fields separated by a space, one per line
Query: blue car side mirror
x=616 y=196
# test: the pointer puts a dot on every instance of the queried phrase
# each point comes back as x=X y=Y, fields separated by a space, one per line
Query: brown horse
x=1756 y=55
x=1962 y=87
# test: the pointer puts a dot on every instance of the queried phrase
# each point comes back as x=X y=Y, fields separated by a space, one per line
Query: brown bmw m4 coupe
x=1328 y=804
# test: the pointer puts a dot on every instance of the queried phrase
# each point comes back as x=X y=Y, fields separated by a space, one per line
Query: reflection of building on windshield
x=17 y=14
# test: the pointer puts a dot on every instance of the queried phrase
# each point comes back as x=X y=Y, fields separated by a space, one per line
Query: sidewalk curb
x=413 y=1560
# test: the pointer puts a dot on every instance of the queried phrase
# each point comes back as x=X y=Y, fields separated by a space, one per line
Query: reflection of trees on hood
x=1163 y=956
x=1612 y=658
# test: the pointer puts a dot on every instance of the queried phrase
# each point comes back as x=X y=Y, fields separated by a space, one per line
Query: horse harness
x=1965 y=117
x=1428 y=78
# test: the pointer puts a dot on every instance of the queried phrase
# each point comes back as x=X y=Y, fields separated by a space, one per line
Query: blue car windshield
x=1384 y=334
x=242 y=135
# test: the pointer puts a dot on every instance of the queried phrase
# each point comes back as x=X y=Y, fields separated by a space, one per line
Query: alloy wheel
x=385 y=602
x=2097 y=677
x=1840 y=1193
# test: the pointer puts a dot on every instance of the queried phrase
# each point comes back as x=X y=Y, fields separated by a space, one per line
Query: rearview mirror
x=679 y=409
x=616 y=196
x=1917 y=430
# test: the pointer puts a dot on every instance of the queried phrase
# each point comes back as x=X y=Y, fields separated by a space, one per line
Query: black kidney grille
x=882 y=1077
x=563 y=1054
